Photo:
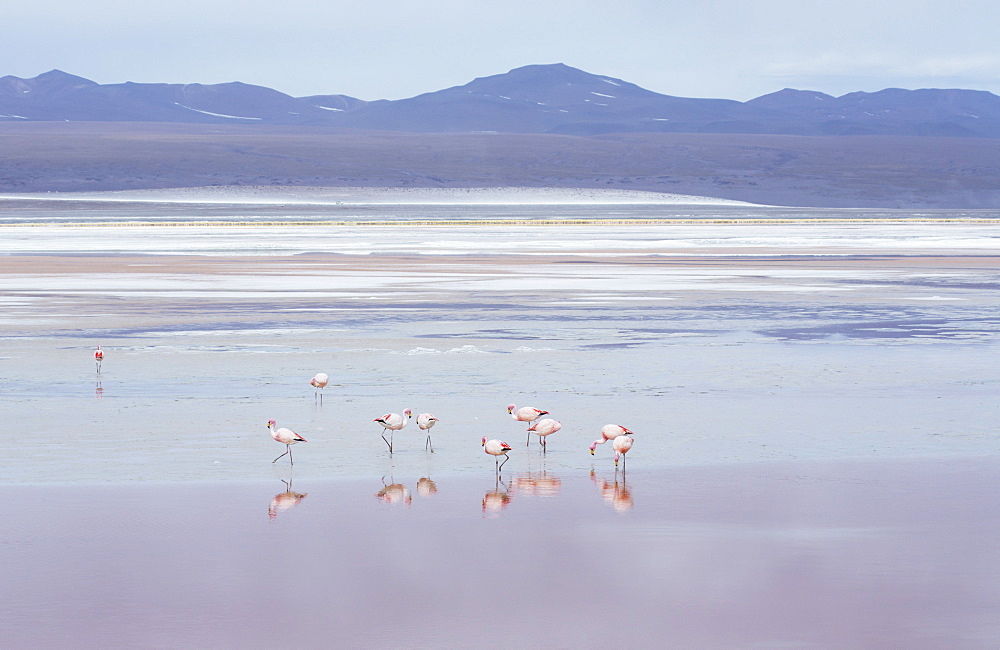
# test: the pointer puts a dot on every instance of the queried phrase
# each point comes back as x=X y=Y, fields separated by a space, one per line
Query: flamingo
x=319 y=381
x=98 y=357
x=543 y=428
x=425 y=421
x=525 y=414
x=286 y=436
x=621 y=445
x=393 y=422
x=609 y=432
x=496 y=448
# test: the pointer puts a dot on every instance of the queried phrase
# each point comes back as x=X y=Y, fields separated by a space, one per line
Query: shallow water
x=814 y=462
x=790 y=555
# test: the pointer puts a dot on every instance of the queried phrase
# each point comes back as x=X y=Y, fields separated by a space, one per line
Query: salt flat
x=814 y=405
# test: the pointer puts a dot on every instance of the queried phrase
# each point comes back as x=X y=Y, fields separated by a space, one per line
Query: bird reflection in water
x=496 y=500
x=99 y=390
x=394 y=493
x=614 y=492
x=284 y=500
x=426 y=487
x=536 y=484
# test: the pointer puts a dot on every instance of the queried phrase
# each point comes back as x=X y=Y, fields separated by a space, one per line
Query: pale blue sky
x=735 y=49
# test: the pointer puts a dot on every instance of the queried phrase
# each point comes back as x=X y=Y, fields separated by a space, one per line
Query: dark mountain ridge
x=553 y=99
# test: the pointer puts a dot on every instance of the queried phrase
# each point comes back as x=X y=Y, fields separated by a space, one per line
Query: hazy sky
x=389 y=49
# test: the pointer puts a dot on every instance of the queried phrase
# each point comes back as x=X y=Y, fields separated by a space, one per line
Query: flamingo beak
x=591 y=452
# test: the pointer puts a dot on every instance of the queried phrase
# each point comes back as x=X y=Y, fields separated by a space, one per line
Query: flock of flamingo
x=619 y=436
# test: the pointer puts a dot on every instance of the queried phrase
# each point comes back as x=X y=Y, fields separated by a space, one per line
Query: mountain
x=57 y=95
x=549 y=99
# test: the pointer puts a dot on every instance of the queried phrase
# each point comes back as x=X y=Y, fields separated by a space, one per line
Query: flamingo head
x=271 y=423
x=408 y=413
x=593 y=446
x=484 y=441
x=510 y=408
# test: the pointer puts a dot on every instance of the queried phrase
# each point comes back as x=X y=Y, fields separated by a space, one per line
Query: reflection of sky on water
x=684 y=549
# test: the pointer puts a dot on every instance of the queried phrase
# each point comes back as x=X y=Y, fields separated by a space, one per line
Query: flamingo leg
x=505 y=459
x=529 y=437
x=429 y=444
x=387 y=443
x=288 y=451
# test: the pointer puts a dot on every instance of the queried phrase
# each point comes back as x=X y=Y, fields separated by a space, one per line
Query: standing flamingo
x=621 y=445
x=609 y=432
x=319 y=381
x=285 y=436
x=425 y=421
x=98 y=357
x=525 y=414
x=496 y=448
x=393 y=422
x=543 y=428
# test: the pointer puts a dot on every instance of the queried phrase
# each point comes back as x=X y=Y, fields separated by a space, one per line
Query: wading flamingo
x=98 y=358
x=285 y=436
x=425 y=421
x=496 y=448
x=525 y=414
x=543 y=428
x=621 y=445
x=609 y=432
x=319 y=382
x=393 y=422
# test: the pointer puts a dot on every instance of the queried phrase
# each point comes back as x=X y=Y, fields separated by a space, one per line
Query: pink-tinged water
x=827 y=554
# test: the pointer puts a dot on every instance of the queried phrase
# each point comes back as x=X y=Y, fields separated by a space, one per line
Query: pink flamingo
x=393 y=422
x=425 y=421
x=319 y=381
x=543 y=428
x=285 y=436
x=609 y=432
x=496 y=448
x=525 y=414
x=98 y=357
x=621 y=445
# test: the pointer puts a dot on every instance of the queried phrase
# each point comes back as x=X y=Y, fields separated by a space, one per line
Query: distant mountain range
x=535 y=99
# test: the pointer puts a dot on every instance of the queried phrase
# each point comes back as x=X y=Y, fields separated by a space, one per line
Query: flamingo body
x=525 y=414
x=496 y=448
x=320 y=380
x=609 y=432
x=425 y=421
x=621 y=445
x=393 y=422
x=285 y=436
x=545 y=427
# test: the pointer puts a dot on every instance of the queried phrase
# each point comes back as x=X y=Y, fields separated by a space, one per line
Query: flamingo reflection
x=496 y=500
x=284 y=500
x=426 y=487
x=537 y=485
x=394 y=493
x=615 y=493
